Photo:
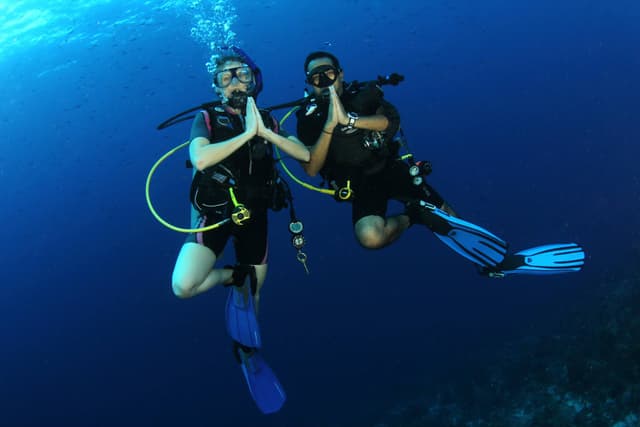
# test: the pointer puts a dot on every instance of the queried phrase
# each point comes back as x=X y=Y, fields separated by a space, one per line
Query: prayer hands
x=252 y=119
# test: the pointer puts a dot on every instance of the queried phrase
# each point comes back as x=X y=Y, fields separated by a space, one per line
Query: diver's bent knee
x=182 y=290
x=370 y=239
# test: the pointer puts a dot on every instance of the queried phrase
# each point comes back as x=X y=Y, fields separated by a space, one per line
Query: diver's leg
x=261 y=275
x=399 y=184
x=448 y=209
x=250 y=242
x=374 y=232
x=193 y=273
x=412 y=194
x=372 y=227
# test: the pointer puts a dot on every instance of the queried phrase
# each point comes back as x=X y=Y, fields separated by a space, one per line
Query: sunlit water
x=28 y=24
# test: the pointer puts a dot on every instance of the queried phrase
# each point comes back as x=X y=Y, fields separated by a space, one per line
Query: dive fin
x=240 y=312
x=542 y=260
x=263 y=384
x=469 y=240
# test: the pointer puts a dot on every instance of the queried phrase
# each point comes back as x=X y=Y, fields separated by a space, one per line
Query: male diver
x=349 y=129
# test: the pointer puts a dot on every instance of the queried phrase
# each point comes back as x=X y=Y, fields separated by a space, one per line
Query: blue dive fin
x=469 y=240
x=547 y=259
x=240 y=314
x=263 y=384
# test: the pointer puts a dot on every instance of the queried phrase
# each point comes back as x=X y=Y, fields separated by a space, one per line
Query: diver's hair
x=221 y=60
x=321 y=54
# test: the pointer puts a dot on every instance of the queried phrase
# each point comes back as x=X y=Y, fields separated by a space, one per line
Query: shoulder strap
x=207 y=119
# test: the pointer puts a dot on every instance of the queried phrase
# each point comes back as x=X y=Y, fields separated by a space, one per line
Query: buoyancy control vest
x=250 y=170
x=353 y=151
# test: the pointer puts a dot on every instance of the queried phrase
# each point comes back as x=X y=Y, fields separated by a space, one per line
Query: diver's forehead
x=318 y=62
x=231 y=64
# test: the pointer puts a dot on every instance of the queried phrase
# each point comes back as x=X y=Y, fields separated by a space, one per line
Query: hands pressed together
x=337 y=114
x=254 y=126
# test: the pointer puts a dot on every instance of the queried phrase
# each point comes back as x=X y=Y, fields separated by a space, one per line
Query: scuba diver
x=233 y=183
x=349 y=129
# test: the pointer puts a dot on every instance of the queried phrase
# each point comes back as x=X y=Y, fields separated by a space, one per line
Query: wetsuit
x=251 y=172
x=375 y=173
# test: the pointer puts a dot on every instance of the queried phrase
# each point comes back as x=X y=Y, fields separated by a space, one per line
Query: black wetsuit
x=376 y=175
x=251 y=169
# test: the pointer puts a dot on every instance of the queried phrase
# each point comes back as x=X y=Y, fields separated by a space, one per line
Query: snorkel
x=257 y=73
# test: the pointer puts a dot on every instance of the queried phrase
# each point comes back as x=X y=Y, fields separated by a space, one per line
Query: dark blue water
x=529 y=113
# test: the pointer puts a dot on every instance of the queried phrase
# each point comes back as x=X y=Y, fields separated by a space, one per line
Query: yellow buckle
x=345 y=193
x=240 y=214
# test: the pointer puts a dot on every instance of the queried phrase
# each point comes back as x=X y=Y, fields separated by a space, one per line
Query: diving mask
x=223 y=78
x=322 y=76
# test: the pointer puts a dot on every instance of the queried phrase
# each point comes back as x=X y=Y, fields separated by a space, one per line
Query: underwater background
x=530 y=114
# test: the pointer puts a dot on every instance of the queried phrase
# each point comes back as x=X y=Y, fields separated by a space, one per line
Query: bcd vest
x=352 y=152
x=250 y=170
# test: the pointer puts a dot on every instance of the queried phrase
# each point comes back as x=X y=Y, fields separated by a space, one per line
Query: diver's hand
x=262 y=130
x=251 y=118
x=332 y=114
x=338 y=108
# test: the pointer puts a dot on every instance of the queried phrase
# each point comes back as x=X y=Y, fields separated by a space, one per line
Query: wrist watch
x=353 y=117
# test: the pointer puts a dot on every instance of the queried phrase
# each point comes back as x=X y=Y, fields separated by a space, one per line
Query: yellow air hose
x=155 y=213
x=218 y=224
x=286 y=169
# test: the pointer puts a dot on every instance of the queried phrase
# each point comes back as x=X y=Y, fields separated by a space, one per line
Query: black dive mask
x=322 y=76
x=238 y=100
